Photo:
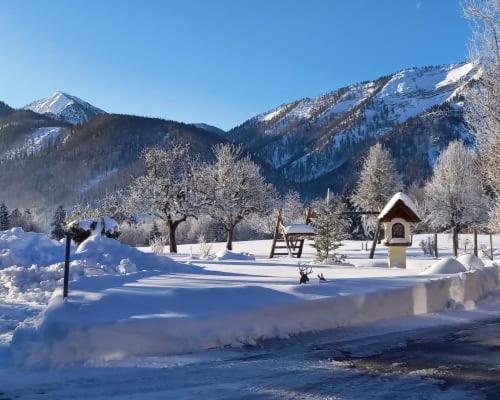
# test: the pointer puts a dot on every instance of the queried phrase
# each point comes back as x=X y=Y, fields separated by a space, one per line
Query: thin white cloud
x=419 y=4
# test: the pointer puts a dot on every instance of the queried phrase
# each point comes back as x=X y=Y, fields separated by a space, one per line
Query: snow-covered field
x=127 y=303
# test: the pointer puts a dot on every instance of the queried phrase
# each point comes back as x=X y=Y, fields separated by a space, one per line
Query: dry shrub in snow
x=205 y=248
x=157 y=244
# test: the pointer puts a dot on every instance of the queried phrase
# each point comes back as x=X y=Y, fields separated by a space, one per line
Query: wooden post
x=455 y=240
x=375 y=238
x=491 y=246
x=66 y=266
x=436 y=245
x=475 y=242
x=276 y=233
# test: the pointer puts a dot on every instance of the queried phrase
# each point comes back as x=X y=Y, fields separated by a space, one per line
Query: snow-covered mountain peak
x=65 y=107
x=314 y=137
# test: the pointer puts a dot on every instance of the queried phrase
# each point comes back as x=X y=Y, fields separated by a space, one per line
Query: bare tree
x=165 y=191
x=378 y=181
x=292 y=212
x=232 y=188
x=454 y=196
x=482 y=104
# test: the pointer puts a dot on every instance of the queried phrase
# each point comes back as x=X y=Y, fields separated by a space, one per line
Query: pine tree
x=58 y=223
x=331 y=227
x=154 y=233
x=4 y=217
x=378 y=181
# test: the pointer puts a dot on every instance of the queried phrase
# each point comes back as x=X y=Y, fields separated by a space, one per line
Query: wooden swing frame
x=294 y=242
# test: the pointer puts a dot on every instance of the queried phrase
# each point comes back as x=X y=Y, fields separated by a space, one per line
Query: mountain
x=69 y=164
x=62 y=150
x=318 y=142
x=211 y=128
x=65 y=107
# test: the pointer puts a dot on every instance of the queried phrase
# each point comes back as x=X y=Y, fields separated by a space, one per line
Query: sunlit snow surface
x=65 y=107
x=295 y=368
x=40 y=139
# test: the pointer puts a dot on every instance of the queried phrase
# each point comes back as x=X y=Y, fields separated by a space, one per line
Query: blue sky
x=215 y=61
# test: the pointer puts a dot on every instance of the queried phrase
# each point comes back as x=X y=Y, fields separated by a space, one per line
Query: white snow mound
x=471 y=261
x=18 y=247
x=118 y=257
x=445 y=266
x=231 y=255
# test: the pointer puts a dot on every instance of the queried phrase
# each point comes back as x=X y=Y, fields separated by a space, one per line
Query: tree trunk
x=436 y=245
x=455 y=241
x=375 y=238
x=229 y=243
x=172 y=226
x=475 y=242
x=491 y=246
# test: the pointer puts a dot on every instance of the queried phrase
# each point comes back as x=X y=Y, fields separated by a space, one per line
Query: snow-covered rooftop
x=301 y=229
x=392 y=202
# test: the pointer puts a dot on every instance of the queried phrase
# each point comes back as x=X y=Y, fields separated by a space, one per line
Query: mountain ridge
x=308 y=145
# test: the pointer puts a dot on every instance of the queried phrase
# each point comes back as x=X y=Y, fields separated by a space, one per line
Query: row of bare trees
x=177 y=186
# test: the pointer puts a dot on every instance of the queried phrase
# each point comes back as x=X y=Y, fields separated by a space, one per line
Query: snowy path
x=316 y=366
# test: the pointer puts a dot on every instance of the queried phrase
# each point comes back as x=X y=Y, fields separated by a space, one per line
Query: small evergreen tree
x=155 y=233
x=4 y=217
x=331 y=227
x=58 y=223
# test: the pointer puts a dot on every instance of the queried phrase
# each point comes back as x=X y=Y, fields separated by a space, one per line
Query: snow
x=54 y=104
x=317 y=121
x=412 y=91
x=231 y=255
x=471 y=261
x=456 y=74
x=126 y=302
x=66 y=107
x=299 y=229
x=26 y=248
x=32 y=267
x=233 y=302
x=40 y=139
x=445 y=266
x=392 y=202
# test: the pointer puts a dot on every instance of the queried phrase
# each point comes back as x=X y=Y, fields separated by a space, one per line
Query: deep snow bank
x=471 y=261
x=448 y=265
x=29 y=280
x=26 y=248
x=227 y=255
x=114 y=256
x=132 y=320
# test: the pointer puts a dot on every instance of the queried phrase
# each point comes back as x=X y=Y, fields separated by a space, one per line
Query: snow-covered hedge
x=82 y=230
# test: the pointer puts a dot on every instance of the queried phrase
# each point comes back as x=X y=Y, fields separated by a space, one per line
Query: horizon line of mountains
x=63 y=150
